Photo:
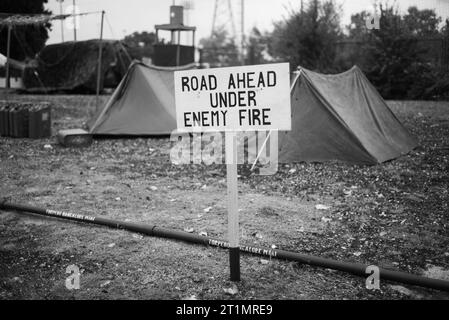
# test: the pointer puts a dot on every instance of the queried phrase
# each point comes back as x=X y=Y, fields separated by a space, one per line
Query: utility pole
x=223 y=20
x=242 y=49
x=223 y=17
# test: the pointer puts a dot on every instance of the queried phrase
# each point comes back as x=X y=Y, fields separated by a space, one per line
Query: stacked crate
x=25 y=120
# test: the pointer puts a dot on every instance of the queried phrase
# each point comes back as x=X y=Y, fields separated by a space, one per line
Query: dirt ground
x=393 y=215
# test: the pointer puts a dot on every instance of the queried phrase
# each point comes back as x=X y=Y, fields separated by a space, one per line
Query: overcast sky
x=126 y=16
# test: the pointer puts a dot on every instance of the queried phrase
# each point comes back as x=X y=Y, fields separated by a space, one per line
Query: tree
x=219 y=50
x=140 y=44
x=394 y=60
x=257 y=48
x=307 y=37
x=394 y=57
x=445 y=30
x=421 y=23
x=28 y=40
x=357 y=29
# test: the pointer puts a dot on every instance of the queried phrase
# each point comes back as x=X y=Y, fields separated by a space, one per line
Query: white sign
x=247 y=98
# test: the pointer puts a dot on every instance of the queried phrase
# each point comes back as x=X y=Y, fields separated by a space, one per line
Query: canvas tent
x=142 y=104
x=334 y=117
x=341 y=117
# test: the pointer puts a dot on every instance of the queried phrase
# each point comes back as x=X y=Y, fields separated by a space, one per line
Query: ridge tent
x=334 y=117
x=142 y=104
x=341 y=117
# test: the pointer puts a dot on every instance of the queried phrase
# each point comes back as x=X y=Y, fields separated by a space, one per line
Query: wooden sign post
x=233 y=210
x=248 y=98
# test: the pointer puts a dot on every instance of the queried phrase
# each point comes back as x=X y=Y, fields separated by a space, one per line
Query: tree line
x=394 y=57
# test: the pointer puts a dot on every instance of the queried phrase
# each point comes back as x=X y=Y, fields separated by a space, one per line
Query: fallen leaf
x=231 y=291
x=402 y=290
x=257 y=235
x=104 y=284
x=16 y=279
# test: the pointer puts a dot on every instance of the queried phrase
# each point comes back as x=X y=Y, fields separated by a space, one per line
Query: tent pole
x=268 y=136
x=8 y=49
x=100 y=53
x=260 y=151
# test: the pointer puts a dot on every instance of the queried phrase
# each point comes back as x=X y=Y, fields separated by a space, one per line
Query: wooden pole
x=178 y=50
x=62 y=22
x=8 y=49
x=100 y=54
x=233 y=213
x=74 y=21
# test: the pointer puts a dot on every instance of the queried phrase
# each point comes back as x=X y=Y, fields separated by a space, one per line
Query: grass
x=393 y=215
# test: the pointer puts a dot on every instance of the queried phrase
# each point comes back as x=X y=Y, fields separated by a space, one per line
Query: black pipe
x=353 y=268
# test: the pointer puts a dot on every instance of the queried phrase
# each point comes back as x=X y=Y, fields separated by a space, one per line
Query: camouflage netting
x=72 y=66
